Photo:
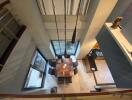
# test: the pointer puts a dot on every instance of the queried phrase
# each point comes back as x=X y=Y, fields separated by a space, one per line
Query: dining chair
x=68 y=79
x=59 y=56
x=51 y=71
x=53 y=90
x=75 y=71
x=75 y=64
x=52 y=63
x=67 y=56
x=60 y=80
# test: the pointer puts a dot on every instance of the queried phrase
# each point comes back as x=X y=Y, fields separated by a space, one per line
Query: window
x=59 y=47
x=35 y=77
x=10 y=32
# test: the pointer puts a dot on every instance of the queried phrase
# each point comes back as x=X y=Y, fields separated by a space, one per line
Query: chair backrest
x=52 y=63
x=75 y=71
x=53 y=90
x=51 y=71
x=60 y=80
x=68 y=79
x=67 y=56
x=59 y=56
x=75 y=64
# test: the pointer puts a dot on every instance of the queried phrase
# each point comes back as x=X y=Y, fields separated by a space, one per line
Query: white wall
x=28 y=13
x=124 y=8
x=12 y=76
x=100 y=10
x=119 y=9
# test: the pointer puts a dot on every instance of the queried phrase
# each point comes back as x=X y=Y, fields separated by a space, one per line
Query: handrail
x=66 y=95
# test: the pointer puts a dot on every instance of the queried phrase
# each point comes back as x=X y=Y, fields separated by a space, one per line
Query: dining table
x=64 y=69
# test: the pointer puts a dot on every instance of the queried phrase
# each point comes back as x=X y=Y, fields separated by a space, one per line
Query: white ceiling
x=71 y=8
x=46 y=7
x=49 y=23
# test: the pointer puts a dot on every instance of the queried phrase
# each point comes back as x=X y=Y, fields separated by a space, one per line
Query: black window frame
x=13 y=42
x=31 y=66
x=64 y=40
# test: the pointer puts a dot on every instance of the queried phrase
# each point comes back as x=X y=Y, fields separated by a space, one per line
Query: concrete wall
x=100 y=11
x=123 y=8
x=119 y=9
x=12 y=76
x=28 y=13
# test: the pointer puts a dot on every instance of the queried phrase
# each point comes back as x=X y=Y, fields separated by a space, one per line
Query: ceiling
x=46 y=9
x=71 y=7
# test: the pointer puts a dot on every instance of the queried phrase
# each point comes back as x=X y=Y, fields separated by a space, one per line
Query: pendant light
x=74 y=32
x=53 y=6
x=65 y=52
x=74 y=35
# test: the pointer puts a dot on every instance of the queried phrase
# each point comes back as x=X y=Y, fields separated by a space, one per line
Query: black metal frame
x=44 y=73
x=63 y=40
x=11 y=46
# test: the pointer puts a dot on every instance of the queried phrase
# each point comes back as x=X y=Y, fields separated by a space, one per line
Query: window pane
x=13 y=26
x=5 y=17
x=39 y=62
x=35 y=75
x=34 y=79
x=5 y=40
x=71 y=48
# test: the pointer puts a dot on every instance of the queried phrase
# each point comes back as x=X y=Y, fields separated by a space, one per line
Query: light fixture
x=74 y=32
x=74 y=36
x=65 y=52
x=53 y=6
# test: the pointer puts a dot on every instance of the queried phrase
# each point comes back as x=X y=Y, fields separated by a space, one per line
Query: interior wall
x=124 y=9
x=100 y=12
x=28 y=13
x=119 y=9
x=13 y=74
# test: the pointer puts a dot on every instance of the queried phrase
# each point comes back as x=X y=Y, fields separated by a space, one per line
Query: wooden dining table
x=64 y=69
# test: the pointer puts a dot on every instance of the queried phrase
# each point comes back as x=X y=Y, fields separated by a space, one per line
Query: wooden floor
x=82 y=82
x=103 y=75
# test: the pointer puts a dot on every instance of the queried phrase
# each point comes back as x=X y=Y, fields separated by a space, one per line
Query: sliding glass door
x=35 y=77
